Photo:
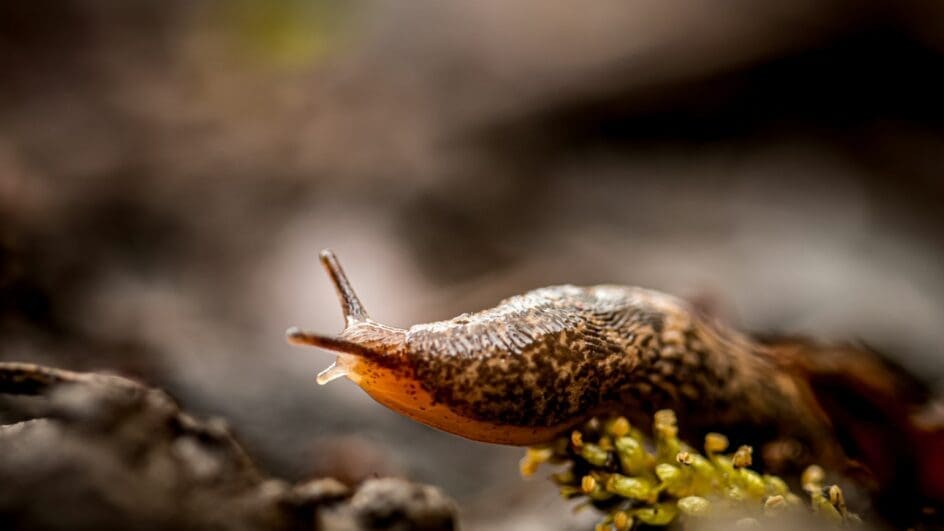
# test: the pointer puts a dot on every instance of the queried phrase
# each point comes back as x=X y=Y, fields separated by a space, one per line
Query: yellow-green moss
x=613 y=467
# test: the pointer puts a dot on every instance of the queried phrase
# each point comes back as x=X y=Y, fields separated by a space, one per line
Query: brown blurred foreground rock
x=95 y=451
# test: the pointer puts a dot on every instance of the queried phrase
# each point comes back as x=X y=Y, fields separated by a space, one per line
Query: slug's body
x=544 y=361
x=540 y=363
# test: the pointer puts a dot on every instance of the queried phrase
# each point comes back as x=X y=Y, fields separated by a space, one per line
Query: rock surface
x=95 y=451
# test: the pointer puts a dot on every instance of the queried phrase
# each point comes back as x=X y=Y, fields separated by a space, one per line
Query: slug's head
x=363 y=347
x=411 y=376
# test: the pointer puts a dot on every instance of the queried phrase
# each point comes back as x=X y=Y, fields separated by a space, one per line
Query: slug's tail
x=883 y=417
x=361 y=337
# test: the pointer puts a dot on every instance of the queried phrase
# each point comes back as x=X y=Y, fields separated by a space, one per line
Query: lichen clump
x=613 y=467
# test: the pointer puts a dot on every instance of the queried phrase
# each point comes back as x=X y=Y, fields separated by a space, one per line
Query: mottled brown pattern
x=554 y=356
x=540 y=363
x=562 y=353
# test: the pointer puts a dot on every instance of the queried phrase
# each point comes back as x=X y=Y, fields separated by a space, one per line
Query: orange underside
x=408 y=398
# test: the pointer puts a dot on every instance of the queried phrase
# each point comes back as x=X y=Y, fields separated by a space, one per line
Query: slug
x=540 y=363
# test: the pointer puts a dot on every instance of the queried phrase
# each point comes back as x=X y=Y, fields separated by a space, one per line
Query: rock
x=105 y=452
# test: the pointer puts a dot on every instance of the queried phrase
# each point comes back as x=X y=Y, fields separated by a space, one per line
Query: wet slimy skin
x=542 y=362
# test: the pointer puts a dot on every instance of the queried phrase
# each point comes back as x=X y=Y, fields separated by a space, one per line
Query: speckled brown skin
x=540 y=363
x=544 y=361
x=555 y=355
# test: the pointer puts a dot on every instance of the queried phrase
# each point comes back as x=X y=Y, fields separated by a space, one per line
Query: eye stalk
x=361 y=337
x=351 y=306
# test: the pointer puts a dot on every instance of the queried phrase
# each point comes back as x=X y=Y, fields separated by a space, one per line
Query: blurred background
x=170 y=169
